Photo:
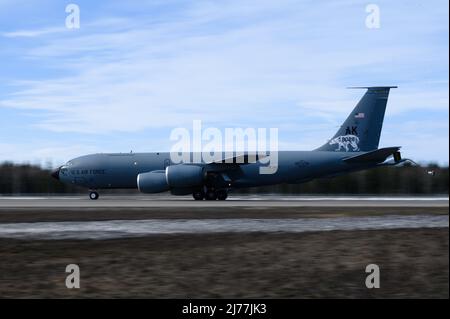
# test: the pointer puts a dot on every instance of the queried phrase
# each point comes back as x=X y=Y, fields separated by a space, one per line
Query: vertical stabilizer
x=362 y=129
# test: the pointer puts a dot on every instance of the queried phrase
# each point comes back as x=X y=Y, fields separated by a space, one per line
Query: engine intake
x=152 y=182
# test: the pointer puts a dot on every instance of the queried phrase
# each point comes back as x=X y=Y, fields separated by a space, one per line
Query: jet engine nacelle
x=183 y=176
x=152 y=182
x=175 y=177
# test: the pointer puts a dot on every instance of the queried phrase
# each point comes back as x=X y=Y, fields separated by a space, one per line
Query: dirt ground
x=413 y=263
x=17 y=215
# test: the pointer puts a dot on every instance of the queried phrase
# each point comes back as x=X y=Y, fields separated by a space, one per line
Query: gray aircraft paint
x=359 y=135
x=365 y=121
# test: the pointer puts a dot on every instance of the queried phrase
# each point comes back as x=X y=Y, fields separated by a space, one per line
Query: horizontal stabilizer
x=376 y=156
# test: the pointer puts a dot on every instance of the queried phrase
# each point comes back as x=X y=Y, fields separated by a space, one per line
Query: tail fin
x=362 y=128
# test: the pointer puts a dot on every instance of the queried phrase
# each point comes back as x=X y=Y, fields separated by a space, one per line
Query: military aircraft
x=354 y=147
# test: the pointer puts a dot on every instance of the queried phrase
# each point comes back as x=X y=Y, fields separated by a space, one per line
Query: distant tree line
x=408 y=180
x=27 y=179
x=32 y=179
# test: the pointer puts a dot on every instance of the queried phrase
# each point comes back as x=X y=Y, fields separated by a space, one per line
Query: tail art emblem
x=344 y=141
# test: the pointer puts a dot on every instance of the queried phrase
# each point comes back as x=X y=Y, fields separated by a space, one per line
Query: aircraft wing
x=376 y=156
x=242 y=159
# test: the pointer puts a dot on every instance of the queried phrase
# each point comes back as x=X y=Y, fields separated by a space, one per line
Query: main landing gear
x=210 y=194
x=222 y=194
x=93 y=195
x=198 y=195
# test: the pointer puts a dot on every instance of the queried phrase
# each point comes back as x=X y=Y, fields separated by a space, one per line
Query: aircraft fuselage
x=120 y=170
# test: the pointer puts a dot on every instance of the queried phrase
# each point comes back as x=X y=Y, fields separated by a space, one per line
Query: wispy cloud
x=33 y=33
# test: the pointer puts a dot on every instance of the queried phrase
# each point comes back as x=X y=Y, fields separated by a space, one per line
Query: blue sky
x=137 y=69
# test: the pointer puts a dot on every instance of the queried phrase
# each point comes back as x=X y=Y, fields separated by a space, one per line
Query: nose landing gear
x=93 y=195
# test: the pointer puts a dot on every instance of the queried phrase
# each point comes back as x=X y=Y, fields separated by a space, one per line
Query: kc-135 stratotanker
x=354 y=147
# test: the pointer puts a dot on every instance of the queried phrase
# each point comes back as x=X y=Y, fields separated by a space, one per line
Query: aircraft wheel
x=211 y=195
x=93 y=195
x=199 y=195
x=222 y=195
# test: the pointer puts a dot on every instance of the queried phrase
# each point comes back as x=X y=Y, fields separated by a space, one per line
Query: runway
x=139 y=201
x=283 y=246
x=140 y=228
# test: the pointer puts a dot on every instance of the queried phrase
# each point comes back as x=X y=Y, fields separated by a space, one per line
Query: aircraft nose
x=55 y=173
